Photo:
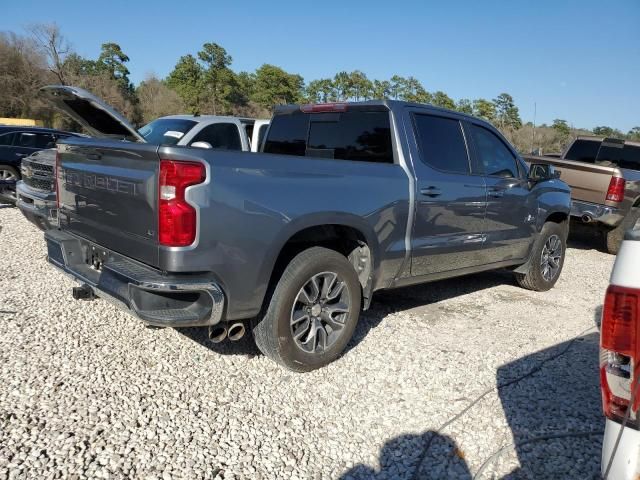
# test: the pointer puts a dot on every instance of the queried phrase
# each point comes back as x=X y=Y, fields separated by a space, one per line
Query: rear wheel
x=8 y=173
x=312 y=313
x=613 y=238
x=547 y=259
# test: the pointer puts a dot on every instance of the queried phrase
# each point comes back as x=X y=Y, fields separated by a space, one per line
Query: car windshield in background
x=166 y=131
x=358 y=135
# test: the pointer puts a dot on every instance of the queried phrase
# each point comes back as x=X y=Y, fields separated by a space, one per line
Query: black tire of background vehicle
x=613 y=238
x=272 y=332
x=5 y=196
x=533 y=279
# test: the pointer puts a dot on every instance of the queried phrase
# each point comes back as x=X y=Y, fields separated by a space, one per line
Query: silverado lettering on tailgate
x=92 y=181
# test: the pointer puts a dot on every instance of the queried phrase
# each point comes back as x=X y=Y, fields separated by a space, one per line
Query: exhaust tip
x=236 y=332
x=217 y=333
x=587 y=218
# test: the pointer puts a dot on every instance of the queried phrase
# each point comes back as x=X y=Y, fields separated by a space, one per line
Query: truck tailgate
x=108 y=194
x=589 y=182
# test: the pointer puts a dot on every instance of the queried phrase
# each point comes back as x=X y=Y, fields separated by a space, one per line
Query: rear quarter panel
x=256 y=202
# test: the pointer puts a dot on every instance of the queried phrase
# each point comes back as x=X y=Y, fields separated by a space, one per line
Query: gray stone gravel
x=86 y=391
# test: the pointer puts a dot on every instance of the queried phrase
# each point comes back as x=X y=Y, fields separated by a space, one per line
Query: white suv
x=620 y=363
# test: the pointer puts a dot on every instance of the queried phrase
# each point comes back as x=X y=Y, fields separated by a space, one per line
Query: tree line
x=203 y=82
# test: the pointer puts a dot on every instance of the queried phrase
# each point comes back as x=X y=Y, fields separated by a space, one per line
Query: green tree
x=112 y=60
x=187 y=79
x=507 y=114
x=381 y=89
x=320 y=91
x=562 y=127
x=484 y=109
x=360 y=86
x=604 y=131
x=634 y=134
x=464 y=105
x=274 y=86
x=218 y=78
x=441 y=99
x=342 y=85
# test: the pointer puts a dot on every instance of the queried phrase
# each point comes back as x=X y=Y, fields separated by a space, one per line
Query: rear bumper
x=610 y=216
x=162 y=300
x=37 y=206
x=626 y=462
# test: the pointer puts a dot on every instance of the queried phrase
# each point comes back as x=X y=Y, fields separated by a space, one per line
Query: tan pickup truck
x=604 y=176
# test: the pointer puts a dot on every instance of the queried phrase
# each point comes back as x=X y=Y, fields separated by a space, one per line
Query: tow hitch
x=83 y=292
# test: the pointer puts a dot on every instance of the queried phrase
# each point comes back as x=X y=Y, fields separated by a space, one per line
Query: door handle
x=496 y=192
x=21 y=155
x=431 y=191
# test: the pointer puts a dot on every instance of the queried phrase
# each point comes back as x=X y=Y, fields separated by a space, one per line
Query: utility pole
x=533 y=133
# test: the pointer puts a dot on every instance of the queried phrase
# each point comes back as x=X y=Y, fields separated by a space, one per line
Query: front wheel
x=8 y=174
x=313 y=311
x=547 y=259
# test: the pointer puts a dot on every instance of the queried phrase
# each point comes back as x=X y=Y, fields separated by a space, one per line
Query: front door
x=509 y=224
x=450 y=201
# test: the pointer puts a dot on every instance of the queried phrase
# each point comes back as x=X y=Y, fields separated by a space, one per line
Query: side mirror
x=206 y=145
x=539 y=172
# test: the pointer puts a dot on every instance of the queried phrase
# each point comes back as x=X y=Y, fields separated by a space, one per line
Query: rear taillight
x=619 y=354
x=177 y=220
x=57 y=176
x=616 y=189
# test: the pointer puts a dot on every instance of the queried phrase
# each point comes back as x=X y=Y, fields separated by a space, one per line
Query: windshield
x=166 y=131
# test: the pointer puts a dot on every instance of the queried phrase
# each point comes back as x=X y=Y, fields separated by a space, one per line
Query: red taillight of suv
x=177 y=220
x=620 y=353
x=615 y=193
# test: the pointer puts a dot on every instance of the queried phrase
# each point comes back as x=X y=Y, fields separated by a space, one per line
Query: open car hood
x=95 y=116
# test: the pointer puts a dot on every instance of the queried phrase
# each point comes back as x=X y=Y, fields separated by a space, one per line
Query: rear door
x=25 y=143
x=108 y=194
x=509 y=224
x=450 y=199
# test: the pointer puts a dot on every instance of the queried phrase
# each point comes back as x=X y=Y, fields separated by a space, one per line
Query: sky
x=577 y=60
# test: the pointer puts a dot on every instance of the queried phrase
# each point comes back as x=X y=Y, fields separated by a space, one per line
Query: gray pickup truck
x=291 y=243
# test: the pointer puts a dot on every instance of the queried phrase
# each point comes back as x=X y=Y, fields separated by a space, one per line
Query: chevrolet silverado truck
x=35 y=193
x=604 y=176
x=292 y=242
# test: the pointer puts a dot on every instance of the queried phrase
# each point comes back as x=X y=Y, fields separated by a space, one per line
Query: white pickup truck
x=620 y=364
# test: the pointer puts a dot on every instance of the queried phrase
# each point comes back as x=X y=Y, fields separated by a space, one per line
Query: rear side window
x=583 y=151
x=442 y=144
x=494 y=156
x=358 y=135
x=220 y=135
x=35 y=140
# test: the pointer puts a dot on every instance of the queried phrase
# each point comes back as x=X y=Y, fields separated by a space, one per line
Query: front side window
x=166 y=131
x=357 y=135
x=494 y=156
x=630 y=158
x=220 y=135
x=442 y=144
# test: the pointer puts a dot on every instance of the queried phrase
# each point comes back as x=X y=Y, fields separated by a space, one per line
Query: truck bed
x=589 y=182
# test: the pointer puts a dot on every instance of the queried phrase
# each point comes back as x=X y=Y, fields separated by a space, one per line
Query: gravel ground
x=86 y=391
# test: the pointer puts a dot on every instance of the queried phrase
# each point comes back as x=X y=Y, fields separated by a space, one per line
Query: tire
x=536 y=278
x=9 y=194
x=274 y=332
x=613 y=238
